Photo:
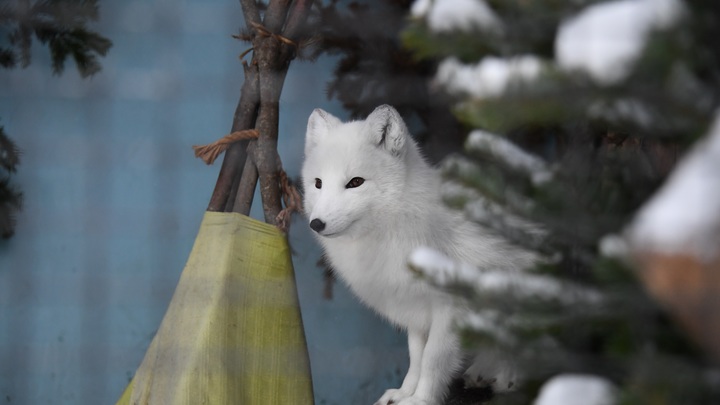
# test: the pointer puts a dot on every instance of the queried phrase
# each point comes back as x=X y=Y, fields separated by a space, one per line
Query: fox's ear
x=387 y=129
x=319 y=125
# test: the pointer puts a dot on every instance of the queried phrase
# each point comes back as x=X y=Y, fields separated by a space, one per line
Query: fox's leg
x=416 y=345
x=441 y=359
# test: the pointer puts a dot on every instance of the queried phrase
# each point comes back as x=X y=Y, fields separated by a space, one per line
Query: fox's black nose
x=317 y=225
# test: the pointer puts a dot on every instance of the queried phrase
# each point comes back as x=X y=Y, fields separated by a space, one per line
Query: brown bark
x=247 y=162
x=222 y=198
x=272 y=71
x=246 y=186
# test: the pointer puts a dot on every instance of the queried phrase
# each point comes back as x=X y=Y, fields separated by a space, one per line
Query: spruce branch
x=61 y=25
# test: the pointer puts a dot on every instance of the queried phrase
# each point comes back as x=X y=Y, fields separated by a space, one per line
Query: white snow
x=628 y=109
x=464 y=15
x=485 y=211
x=451 y=190
x=614 y=246
x=535 y=286
x=482 y=210
x=489 y=322
x=577 y=389
x=443 y=271
x=488 y=78
x=605 y=39
x=684 y=216
x=510 y=154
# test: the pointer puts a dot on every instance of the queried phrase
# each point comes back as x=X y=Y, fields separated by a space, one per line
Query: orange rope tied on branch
x=292 y=199
x=208 y=153
x=266 y=33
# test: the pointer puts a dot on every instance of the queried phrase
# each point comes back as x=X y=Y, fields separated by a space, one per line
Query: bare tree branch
x=246 y=186
x=246 y=162
x=272 y=70
x=250 y=11
x=275 y=15
x=296 y=18
x=245 y=114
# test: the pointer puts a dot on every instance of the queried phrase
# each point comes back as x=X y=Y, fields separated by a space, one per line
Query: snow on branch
x=463 y=15
x=445 y=272
x=508 y=153
x=491 y=77
x=490 y=183
x=577 y=389
x=624 y=109
x=489 y=322
x=514 y=227
x=441 y=269
x=684 y=216
x=488 y=213
x=607 y=38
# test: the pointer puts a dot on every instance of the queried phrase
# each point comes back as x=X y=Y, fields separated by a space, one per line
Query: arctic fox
x=372 y=199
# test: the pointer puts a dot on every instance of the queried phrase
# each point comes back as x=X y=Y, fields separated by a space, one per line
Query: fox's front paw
x=392 y=396
x=492 y=370
x=503 y=382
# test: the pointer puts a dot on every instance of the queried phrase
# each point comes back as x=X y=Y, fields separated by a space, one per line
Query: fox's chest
x=379 y=276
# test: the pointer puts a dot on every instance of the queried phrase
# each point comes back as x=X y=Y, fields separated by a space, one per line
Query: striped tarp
x=233 y=333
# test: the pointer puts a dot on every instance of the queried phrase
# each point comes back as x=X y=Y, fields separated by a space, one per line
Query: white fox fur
x=369 y=230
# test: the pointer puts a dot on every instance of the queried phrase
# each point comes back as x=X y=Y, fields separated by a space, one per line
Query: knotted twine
x=291 y=197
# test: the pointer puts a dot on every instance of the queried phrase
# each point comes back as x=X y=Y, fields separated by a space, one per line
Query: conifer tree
x=579 y=111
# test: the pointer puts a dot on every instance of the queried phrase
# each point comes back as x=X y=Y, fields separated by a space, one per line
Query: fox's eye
x=318 y=183
x=355 y=182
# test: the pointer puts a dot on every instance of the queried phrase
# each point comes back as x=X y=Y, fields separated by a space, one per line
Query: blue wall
x=114 y=197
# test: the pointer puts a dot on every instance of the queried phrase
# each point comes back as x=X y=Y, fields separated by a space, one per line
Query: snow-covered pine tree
x=580 y=110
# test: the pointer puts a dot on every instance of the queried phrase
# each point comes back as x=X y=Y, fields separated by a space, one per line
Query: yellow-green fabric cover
x=233 y=332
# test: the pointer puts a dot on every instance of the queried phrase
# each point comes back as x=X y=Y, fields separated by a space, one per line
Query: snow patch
x=510 y=154
x=614 y=246
x=450 y=15
x=485 y=211
x=444 y=272
x=488 y=322
x=451 y=191
x=606 y=39
x=684 y=216
x=535 y=286
x=629 y=109
x=488 y=78
x=577 y=389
